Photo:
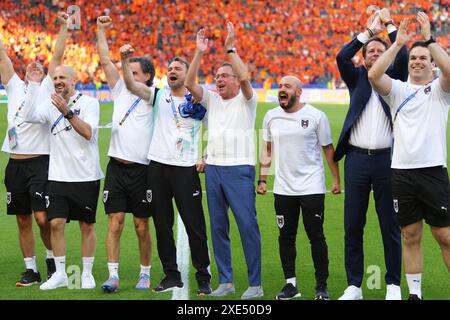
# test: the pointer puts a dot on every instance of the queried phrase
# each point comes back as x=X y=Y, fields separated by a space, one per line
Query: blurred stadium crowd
x=299 y=37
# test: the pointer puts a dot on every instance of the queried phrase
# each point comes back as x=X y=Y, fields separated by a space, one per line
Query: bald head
x=294 y=81
x=64 y=79
x=290 y=90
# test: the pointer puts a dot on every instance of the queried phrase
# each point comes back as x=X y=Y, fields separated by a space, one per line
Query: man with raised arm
x=125 y=188
x=230 y=163
x=173 y=171
x=74 y=168
x=365 y=140
x=419 y=108
x=26 y=174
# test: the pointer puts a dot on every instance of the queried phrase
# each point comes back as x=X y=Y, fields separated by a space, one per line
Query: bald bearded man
x=294 y=134
x=74 y=170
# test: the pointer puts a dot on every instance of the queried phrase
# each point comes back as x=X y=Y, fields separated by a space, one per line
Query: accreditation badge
x=12 y=138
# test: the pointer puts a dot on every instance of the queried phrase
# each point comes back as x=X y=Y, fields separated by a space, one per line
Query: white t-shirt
x=131 y=140
x=31 y=138
x=297 y=140
x=172 y=145
x=231 y=131
x=72 y=157
x=421 y=125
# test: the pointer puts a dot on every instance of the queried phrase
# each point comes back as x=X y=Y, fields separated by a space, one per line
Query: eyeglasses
x=224 y=75
x=67 y=127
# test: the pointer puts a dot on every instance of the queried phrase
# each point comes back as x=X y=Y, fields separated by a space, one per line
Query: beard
x=290 y=104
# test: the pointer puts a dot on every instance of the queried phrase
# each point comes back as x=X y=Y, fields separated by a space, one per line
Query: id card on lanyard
x=183 y=142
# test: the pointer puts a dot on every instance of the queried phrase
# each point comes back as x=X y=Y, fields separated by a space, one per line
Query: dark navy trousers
x=364 y=173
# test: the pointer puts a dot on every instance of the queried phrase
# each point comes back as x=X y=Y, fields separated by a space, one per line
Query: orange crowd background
x=274 y=38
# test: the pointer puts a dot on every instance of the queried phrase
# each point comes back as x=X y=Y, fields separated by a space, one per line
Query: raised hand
x=230 y=41
x=402 y=34
x=374 y=23
x=126 y=51
x=424 y=22
x=202 y=41
x=62 y=18
x=104 y=22
x=385 y=15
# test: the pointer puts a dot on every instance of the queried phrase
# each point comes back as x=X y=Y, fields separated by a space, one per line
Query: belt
x=369 y=152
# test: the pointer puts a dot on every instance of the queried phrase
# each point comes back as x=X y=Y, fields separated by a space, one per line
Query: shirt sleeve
x=117 y=89
x=324 y=131
x=36 y=108
x=266 y=134
x=206 y=99
x=392 y=99
x=15 y=86
x=92 y=116
x=440 y=93
x=253 y=102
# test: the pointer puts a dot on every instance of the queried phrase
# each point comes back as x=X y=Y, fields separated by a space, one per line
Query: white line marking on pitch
x=182 y=261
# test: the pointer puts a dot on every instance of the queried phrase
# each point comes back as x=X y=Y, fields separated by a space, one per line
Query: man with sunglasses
x=230 y=164
x=27 y=171
x=74 y=167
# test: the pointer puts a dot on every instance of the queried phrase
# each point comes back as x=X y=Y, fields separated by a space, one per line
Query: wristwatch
x=429 y=41
x=69 y=115
x=232 y=50
x=261 y=181
x=388 y=23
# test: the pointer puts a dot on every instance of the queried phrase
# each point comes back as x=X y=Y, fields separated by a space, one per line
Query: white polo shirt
x=231 y=129
x=297 y=140
x=31 y=138
x=172 y=144
x=72 y=157
x=130 y=135
x=420 y=127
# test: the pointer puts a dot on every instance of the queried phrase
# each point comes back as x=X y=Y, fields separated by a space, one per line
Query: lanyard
x=125 y=117
x=71 y=104
x=407 y=100
x=174 y=111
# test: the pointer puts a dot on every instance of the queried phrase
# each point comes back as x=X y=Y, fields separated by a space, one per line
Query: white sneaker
x=57 y=280
x=87 y=281
x=352 y=293
x=393 y=292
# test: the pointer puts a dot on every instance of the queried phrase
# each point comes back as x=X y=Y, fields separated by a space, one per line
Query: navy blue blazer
x=359 y=86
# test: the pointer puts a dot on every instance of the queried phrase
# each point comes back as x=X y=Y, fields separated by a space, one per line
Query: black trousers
x=288 y=213
x=166 y=182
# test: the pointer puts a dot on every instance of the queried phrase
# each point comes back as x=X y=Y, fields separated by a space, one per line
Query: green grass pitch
x=436 y=280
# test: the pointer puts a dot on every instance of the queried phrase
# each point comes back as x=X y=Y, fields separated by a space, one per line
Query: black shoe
x=288 y=292
x=168 y=284
x=204 y=288
x=29 y=277
x=322 y=293
x=51 y=267
x=414 y=297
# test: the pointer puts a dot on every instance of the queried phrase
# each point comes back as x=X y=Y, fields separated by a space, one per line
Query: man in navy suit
x=366 y=139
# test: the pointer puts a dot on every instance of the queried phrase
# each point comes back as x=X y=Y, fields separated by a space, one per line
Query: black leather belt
x=369 y=152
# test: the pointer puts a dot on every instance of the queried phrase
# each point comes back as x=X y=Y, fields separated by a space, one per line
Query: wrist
x=371 y=33
x=262 y=181
x=231 y=50
x=429 y=41
x=389 y=22
x=69 y=114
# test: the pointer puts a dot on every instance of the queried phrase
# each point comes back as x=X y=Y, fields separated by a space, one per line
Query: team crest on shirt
x=77 y=111
x=47 y=202
x=427 y=90
x=105 y=196
x=8 y=197
x=396 y=205
x=149 y=196
x=280 y=221
x=305 y=124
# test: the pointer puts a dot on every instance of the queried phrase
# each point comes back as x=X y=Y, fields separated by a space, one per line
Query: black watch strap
x=261 y=181
x=69 y=115
x=429 y=41
x=232 y=50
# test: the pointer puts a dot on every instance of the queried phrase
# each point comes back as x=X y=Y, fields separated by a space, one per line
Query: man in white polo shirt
x=295 y=134
x=74 y=168
x=173 y=172
x=125 y=182
x=419 y=108
x=230 y=164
